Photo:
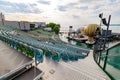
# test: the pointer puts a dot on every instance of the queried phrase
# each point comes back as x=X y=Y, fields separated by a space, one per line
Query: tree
x=55 y=27
x=51 y=25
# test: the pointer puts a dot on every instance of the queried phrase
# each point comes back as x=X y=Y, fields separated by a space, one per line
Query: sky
x=63 y=12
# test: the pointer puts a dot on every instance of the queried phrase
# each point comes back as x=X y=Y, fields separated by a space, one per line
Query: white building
x=40 y=24
x=47 y=29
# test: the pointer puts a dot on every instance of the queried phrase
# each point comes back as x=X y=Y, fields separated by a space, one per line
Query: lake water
x=115 y=29
x=81 y=45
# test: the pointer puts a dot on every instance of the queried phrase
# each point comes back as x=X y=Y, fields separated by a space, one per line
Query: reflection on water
x=64 y=38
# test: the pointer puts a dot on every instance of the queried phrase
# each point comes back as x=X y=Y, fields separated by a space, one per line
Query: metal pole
x=107 y=30
x=99 y=39
x=35 y=66
x=105 y=43
x=35 y=60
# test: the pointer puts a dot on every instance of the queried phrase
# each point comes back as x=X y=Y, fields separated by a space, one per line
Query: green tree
x=55 y=27
x=51 y=25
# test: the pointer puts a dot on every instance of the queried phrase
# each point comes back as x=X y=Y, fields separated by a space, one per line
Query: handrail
x=112 y=46
x=111 y=55
x=39 y=76
x=15 y=70
x=98 y=57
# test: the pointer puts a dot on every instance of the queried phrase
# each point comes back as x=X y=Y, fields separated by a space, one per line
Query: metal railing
x=109 y=61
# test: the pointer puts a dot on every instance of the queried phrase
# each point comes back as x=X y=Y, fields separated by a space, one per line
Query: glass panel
x=102 y=59
x=115 y=50
x=113 y=63
x=113 y=66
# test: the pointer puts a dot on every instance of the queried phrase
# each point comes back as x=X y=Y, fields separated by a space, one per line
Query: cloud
x=76 y=16
x=83 y=8
x=90 y=1
x=62 y=8
x=67 y=6
x=33 y=4
x=44 y=2
x=18 y=7
x=65 y=12
x=24 y=17
x=83 y=1
x=5 y=3
x=72 y=4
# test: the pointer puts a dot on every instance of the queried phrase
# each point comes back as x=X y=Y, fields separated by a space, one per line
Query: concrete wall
x=0 y=23
x=2 y=19
x=24 y=25
x=12 y=24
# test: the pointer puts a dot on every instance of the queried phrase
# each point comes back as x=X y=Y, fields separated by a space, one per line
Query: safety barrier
x=109 y=61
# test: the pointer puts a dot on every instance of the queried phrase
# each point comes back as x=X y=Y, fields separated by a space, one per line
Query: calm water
x=115 y=29
x=82 y=45
x=113 y=62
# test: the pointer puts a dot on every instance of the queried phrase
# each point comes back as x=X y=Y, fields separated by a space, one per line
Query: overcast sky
x=64 y=12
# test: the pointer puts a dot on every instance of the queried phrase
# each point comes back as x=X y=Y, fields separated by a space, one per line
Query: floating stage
x=78 y=39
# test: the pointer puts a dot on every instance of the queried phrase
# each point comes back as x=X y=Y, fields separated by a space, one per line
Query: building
x=22 y=25
x=42 y=24
x=70 y=28
x=47 y=29
x=2 y=19
x=12 y=23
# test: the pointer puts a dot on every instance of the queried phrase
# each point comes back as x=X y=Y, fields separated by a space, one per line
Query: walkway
x=84 y=69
